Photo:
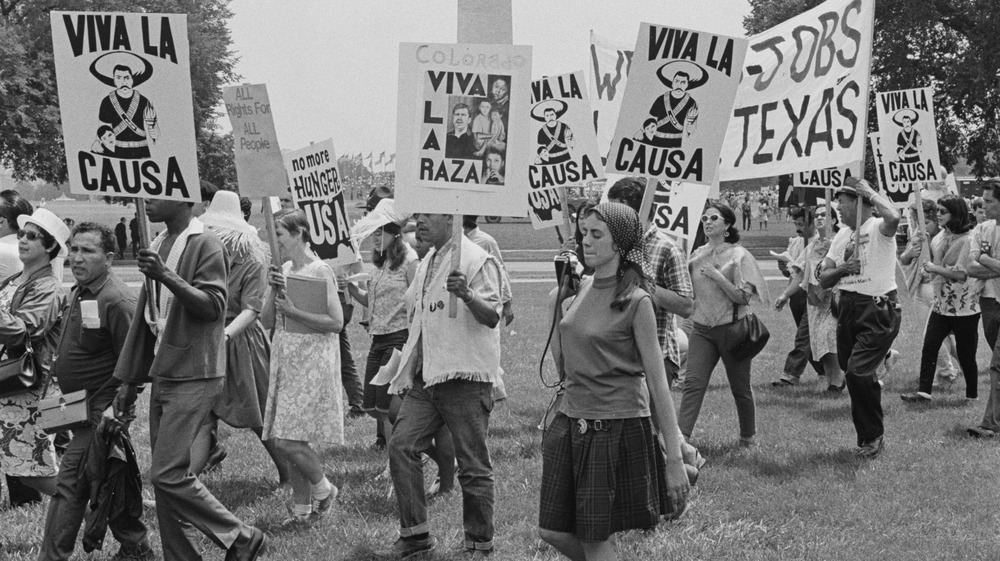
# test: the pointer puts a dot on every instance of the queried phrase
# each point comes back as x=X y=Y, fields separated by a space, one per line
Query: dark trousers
x=177 y=409
x=801 y=353
x=21 y=494
x=990 y=310
x=68 y=505
x=746 y=220
x=866 y=328
x=966 y=330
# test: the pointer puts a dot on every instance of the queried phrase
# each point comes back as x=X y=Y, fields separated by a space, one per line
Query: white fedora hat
x=52 y=224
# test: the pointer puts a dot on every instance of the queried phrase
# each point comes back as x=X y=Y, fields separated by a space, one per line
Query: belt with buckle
x=599 y=425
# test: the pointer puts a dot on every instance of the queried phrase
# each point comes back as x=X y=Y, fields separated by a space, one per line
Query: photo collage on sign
x=477 y=129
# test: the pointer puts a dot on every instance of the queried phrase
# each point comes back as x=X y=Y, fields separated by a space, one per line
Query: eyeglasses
x=942 y=210
x=712 y=217
x=32 y=236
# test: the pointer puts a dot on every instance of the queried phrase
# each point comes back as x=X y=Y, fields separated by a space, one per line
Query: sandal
x=981 y=432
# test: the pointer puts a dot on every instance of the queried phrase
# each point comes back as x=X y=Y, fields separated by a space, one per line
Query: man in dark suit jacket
x=121 y=236
x=182 y=352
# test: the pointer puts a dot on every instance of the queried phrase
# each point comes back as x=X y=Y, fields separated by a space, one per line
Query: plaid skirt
x=601 y=482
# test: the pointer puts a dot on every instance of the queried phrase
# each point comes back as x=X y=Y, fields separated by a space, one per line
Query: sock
x=301 y=511
x=321 y=490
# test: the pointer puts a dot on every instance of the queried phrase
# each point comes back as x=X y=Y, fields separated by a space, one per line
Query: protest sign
x=462 y=123
x=828 y=178
x=260 y=167
x=677 y=209
x=317 y=191
x=565 y=148
x=679 y=98
x=803 y=100
x=545 y=207
x=908 y=136
x=610 y=62
x=125 y=101
x=898 y=193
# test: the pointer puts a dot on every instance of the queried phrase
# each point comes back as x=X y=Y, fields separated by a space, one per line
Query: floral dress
x=304 y=392
x=25 y=449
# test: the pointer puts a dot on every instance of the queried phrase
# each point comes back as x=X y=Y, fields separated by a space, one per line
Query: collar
x=95 y=286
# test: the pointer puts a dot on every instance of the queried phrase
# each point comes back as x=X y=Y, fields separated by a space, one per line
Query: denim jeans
x=464 y=407
x=705 y=347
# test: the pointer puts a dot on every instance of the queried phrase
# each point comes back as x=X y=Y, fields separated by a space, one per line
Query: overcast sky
x=331 y=66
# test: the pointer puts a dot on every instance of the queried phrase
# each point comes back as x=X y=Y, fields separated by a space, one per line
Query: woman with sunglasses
x=955 y=307
x=726 y=278
x=30 y=302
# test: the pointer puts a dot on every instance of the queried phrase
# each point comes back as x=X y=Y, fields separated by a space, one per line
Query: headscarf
x=225 y=217
x=626 y=231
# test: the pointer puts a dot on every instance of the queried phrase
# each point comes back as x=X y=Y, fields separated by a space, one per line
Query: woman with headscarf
x=30 y=304
x=244 y=395
x=956 y=300
x=604 y=469
x=726 y=279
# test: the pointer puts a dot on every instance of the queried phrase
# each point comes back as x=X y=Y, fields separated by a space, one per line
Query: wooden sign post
x=143 y=223
x=486 y=22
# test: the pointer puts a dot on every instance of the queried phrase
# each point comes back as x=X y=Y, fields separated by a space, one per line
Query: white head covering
x=225 y=219
x=384 y=213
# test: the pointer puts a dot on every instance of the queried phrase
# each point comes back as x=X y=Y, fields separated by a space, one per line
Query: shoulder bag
x=19 y=374
x=746 y=337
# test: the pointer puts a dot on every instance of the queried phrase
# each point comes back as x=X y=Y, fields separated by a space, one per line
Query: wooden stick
x=456 y=260
x=828 y=225
x=925 y=246
x=143 y=222
x=272 y=236
x=647 y=198
x=564 y=195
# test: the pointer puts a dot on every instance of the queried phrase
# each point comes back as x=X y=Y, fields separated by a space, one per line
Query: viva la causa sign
x=125 y=99
x=678 y=101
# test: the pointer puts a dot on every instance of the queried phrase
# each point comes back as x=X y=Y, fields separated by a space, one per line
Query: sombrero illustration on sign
x=555 y=138
x=909 y=143
x=127 y=120
x=674 y=115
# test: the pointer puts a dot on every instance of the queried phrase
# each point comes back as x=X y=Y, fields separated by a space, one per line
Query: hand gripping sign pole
x=864 y=119
x=488 y=22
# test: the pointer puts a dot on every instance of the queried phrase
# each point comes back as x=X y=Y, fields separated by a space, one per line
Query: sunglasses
x=32 y=236
x=712 y=217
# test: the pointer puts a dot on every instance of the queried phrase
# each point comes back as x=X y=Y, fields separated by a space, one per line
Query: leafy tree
x=30 y=130
x=948 y=44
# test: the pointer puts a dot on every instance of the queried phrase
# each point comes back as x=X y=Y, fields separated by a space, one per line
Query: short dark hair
x=470 y=221
x=797 y=212
x=105 y=234
x=461 y=106
x=681 y=73
x=103 y=129
x=12 y=205
x=246 y=207
x=121 y=68
x=991 y=185
x=728 y=216
x=208 y=191
x=628 y=190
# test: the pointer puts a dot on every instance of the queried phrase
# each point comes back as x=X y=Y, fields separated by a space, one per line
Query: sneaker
x=916 y=397
x=403 y=549
x=322 y=506
x=870 y=449
x=747 y=442
x=134 y=552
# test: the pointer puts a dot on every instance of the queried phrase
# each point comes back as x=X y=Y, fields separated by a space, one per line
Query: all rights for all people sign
x=125 y=100
x=908 y=136
x=565 y=148
x=679 y=98
x=317 y=191
x=260 y=166
x=804 y=95
x=463 y=123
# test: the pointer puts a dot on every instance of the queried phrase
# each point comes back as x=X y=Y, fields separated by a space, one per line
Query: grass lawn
x=798 y=495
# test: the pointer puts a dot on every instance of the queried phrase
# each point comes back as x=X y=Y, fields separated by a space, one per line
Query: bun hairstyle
x=728 y=216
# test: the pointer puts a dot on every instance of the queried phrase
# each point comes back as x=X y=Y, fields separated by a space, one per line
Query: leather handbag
x=746 y=336
x=19 y=374
x=64 y=412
